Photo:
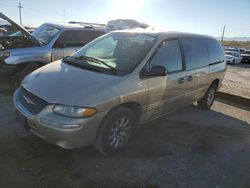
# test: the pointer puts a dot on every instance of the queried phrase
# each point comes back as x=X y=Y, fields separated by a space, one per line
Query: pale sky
x=196 y=16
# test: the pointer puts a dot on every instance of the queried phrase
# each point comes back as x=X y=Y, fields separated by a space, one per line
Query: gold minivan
x=103 y=92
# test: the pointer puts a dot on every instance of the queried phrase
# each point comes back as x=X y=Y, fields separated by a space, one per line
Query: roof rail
x=87 y=24
x=115 y=24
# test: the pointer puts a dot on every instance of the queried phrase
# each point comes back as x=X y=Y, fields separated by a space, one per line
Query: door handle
x=190 y=78
x=181 y=80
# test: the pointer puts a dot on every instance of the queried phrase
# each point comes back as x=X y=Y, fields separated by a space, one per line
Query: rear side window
x=215 y=51
x=169 y=56
x=195 y=52
x=78 y=38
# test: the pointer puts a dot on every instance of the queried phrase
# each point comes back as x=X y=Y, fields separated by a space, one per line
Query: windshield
x=45 y=33
x=120 y=51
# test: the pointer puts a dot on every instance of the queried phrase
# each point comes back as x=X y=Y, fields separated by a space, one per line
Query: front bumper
x=66 y=138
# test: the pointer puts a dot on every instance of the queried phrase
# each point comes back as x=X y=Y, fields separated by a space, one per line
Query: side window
x=77 y=38
x=70 y=39
x=215 y=51
x=169 y=56
x=195 y=52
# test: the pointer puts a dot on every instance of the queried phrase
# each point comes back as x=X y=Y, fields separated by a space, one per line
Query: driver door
x=57 y=51
x=67 y=44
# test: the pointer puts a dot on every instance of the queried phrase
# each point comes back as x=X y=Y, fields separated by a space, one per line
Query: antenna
x=20 y=12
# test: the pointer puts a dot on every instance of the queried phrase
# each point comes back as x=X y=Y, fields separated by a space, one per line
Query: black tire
x=116 y=131
x=207 y=101
x=27 y=70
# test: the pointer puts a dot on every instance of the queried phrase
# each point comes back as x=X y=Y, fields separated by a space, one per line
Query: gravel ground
x=237 y=80
x=189 y=149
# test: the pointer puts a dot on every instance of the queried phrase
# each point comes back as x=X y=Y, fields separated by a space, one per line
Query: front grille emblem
x=28 y=100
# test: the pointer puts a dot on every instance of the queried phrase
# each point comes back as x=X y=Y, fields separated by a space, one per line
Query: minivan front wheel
x=116 y=131
x=207 y=101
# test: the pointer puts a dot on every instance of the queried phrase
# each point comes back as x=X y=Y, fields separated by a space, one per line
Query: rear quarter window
x=215 y=51
x=195 y=52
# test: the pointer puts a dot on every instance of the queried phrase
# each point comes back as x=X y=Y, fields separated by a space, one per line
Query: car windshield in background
x=45 y=33
x=121 y=52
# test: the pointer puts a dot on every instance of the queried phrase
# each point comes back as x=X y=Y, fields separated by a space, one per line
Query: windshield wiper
x=72 y=62
x=95 y=60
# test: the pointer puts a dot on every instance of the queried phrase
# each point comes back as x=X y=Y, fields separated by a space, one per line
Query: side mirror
x=156 y=70
x=59 y=45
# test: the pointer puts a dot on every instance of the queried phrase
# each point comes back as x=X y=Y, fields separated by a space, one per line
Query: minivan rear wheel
x=207 y=101
x=116 y=131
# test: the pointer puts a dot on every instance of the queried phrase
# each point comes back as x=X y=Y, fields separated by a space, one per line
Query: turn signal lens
x=89 y=112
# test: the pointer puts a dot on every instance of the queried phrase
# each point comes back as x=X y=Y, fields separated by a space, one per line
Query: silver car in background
x=102 y=93
x=23 y=52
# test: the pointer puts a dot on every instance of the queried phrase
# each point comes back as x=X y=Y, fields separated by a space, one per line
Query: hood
x=25 y=33
x=14 y=24
x=61 y=83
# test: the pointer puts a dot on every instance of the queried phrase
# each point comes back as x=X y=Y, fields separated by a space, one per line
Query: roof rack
x=114 y=24
x=87 y=24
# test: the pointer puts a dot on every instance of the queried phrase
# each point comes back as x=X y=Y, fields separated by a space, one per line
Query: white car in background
x=233 y=57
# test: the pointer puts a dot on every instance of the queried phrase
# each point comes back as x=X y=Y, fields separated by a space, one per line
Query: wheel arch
x=24 y=65
x=216 y=82
x=134 y=106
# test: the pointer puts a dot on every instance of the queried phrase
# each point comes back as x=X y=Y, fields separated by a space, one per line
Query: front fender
x=24 y=55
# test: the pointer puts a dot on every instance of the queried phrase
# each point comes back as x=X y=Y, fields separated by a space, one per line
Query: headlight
x=4 y=54
x=73 y=111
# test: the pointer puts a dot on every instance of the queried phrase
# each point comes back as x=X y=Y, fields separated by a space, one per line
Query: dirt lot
x=189 y=148
x=237 y=80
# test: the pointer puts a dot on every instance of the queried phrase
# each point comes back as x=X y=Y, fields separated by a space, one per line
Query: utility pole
x=20 y=12
x=223 y=32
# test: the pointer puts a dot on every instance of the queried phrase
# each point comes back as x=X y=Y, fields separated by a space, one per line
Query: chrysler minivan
x=102 y=93
x=23 y=52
